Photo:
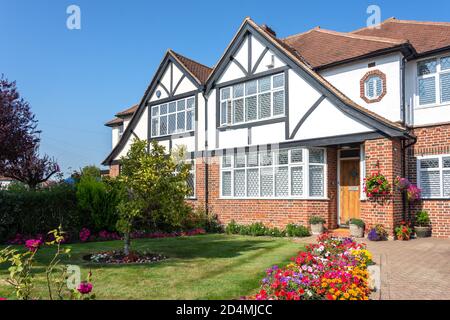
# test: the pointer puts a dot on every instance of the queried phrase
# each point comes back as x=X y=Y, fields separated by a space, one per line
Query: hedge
x=37 y=212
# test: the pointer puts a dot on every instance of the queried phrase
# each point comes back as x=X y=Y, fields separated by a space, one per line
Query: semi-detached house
x=281 y=129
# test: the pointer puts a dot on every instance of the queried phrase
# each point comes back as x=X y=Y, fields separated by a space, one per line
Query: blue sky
x=76 y=80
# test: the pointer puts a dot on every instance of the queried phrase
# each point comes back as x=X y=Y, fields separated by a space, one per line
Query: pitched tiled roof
x=198 y=70
x=114 y=122
x=300 y=60
x=324 y=47
x=424 y=36
x=127 y=112
x=118 y=120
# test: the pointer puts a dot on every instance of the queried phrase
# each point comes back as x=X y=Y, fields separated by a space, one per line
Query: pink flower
x=33 y=244
x=85 y=287
x=2 y=299
x=84 y=234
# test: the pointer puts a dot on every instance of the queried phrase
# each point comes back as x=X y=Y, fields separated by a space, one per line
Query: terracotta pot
x=317 y=228
x=356 y=231
x=422 y=232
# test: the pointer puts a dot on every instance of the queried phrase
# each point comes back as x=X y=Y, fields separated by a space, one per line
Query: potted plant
x=422 y=227
x=377 y=233
x=316 y=224
x=403 y=231
x=377 y=185
x=356 y=228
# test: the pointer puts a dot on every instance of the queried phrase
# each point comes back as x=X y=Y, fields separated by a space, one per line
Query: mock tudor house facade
x=281 y=129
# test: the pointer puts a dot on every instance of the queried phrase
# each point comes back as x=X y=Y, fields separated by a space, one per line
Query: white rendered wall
x=347 y=79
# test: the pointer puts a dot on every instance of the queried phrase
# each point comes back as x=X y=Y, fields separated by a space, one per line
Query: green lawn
x=213 y=266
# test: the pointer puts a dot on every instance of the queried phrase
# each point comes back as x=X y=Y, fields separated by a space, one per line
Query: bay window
x=253 y=100
x=173 y=117
x=433 y=81
x=433 y=176
x=284 y=173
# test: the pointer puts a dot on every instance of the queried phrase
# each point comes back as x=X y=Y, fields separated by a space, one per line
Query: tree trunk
x=127 y=243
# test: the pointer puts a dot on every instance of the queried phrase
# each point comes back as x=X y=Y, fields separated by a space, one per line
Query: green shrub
x=35 y=212
x=316 y=220
x=99 y=199
x=275 y=232
x=358 y=222
x=422 y=218
x=257 y=229
x=199 y=218
x=232 y=228
x=295 y=230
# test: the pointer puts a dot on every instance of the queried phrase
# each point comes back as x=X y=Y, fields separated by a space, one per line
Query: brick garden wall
x=433 y=140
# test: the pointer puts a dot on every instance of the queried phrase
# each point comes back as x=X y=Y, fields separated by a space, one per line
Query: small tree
x=156 y=187
x=17 y=124
x=92 y=171
x=30 y=168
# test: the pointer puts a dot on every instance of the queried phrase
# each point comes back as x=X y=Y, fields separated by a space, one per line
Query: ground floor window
x=284 y=173
x=433 y=176
x=191 y=180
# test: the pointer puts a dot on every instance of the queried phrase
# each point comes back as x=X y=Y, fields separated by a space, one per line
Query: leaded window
x=253 y=100
x=433 y=175
x=433 y=81
x=173 y=117
x=284 y=173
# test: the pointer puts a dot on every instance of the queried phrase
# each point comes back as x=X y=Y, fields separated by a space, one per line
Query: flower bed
x=333 y=269
x=118 y=257
x=85 y=235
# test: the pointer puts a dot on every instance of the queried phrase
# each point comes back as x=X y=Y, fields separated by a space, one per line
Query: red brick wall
x=271 y=212
x=114 y=170
x=433 y=140
x=383 y=155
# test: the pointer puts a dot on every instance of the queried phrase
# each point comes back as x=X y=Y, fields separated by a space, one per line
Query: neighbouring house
x=281 y=129
x=5 y=182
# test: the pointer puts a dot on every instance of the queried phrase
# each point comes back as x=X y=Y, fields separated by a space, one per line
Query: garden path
x=413 y=270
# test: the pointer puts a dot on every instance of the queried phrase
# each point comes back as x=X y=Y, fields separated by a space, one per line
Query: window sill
x=176 y=135
x=276 y=199
x=429 y=106
x=436 y=199
x=253 y=123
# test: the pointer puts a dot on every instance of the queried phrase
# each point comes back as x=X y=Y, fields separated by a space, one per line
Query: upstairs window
x=253 y=100
x=433 y=175
x=373 y=86
x=173 y=117
x=433 y=84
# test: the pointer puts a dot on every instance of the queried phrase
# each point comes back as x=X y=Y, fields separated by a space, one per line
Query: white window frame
x=231 y=100
x=437 y=76
x=441 y=170
x=363 y=172
x=305 y=164
x=158 y=116
x=372 y=78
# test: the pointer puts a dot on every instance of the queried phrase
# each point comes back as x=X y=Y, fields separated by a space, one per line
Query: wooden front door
x=349 y=192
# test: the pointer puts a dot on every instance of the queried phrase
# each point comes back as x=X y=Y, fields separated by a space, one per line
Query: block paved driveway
x=411 y=270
